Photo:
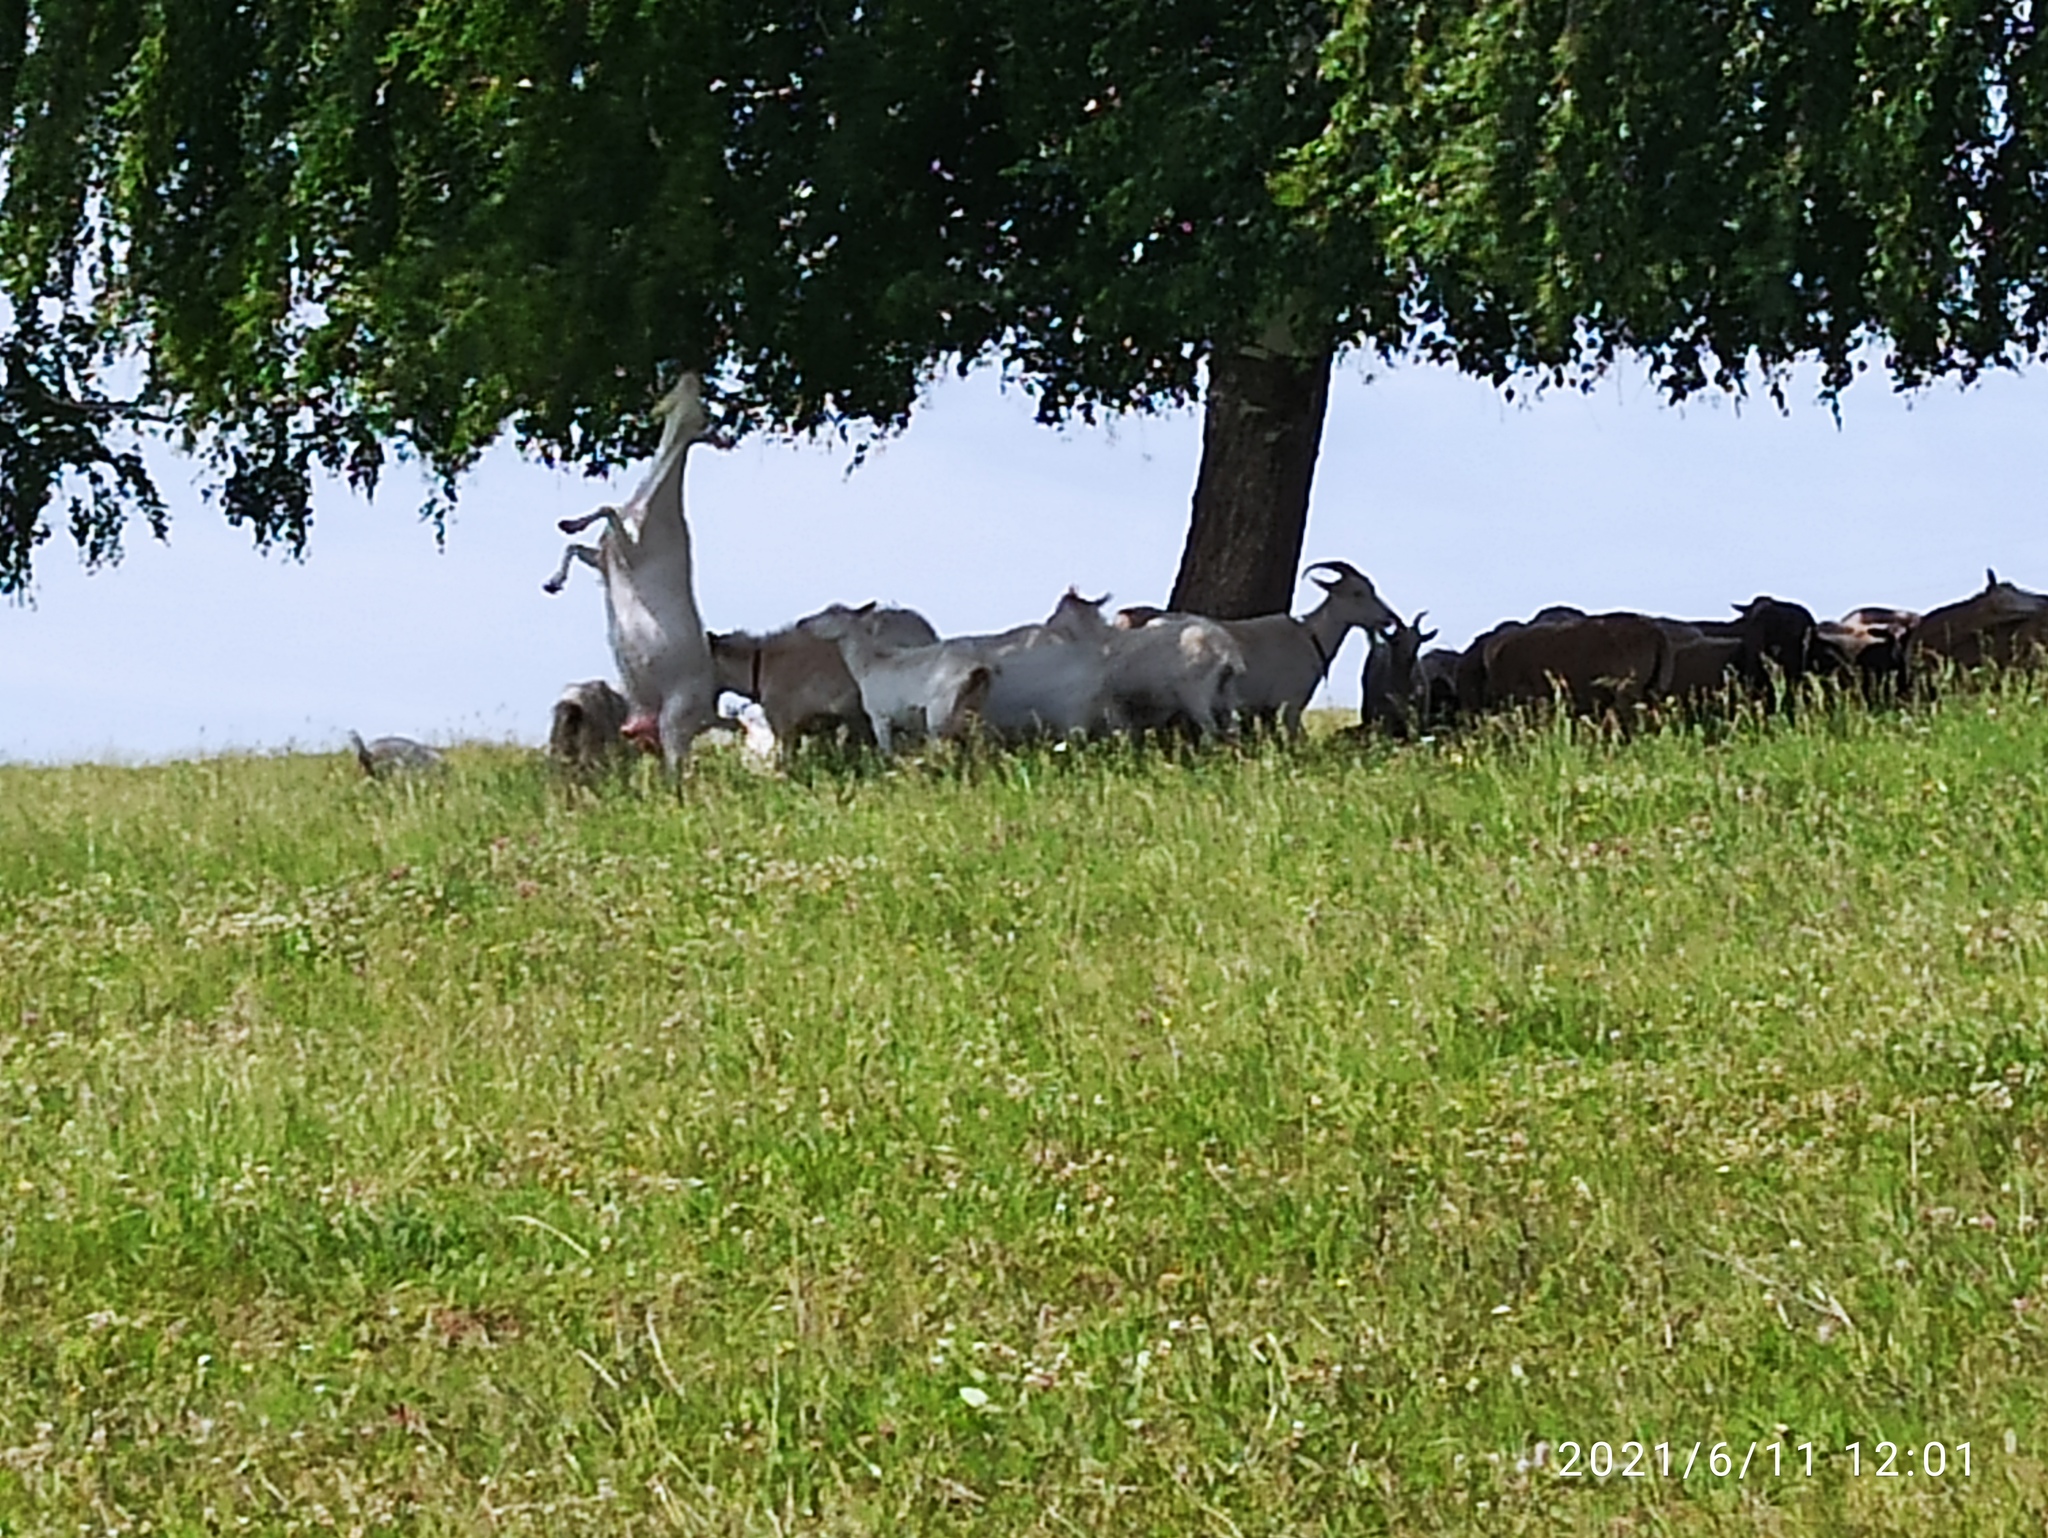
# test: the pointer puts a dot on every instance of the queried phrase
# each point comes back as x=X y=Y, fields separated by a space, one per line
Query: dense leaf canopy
x=315 y=229
x=1725 y=187
x=306 y=231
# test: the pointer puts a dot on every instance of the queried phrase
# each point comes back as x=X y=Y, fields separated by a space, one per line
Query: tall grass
x=1287 y=1142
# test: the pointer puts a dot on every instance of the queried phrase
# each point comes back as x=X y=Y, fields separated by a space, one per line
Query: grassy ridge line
x=1287 y=1143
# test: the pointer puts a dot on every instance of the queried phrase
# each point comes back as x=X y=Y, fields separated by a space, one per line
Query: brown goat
x=1603 y=662
x=801 y=681
x=1978 y=629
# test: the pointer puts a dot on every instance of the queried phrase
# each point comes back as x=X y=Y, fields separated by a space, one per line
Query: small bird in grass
x=393 y=755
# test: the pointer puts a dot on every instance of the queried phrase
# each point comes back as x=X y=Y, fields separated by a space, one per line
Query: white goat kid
x=1176 y=668
x=658 y=639
x=931 y=690
x=1285 y=657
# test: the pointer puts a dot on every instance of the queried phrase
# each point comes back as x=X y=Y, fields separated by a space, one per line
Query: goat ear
x=868 y=607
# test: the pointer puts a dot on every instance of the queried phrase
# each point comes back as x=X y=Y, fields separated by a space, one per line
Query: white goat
x=888 y=625
x=933 y=690
x=658 y=640
x=1046 y=686
x=1285 y=657
x=1176 y=668
x=1043 y=684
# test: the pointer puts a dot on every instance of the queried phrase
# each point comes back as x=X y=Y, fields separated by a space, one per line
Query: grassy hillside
x=1298 y=1143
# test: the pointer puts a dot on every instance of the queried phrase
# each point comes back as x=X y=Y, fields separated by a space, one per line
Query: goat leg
x=584 y=553
x=607 y=515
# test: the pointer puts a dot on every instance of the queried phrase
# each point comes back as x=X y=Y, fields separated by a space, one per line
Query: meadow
x=1355 y=1139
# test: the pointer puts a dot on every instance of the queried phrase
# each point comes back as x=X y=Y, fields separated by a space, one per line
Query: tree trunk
x=1263 y=423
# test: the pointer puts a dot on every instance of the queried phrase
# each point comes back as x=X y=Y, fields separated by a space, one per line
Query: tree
x=310 y=233
x=1722 y=189
x=316 y=232
x=1146 y=136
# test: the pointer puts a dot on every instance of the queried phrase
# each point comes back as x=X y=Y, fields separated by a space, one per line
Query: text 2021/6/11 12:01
x=1773 y=1459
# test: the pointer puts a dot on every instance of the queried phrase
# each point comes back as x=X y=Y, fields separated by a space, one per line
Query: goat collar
x=754 y=687
x=1321 y=656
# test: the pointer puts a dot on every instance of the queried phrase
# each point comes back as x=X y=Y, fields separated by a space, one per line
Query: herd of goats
x=880 y=675
x=884 y=676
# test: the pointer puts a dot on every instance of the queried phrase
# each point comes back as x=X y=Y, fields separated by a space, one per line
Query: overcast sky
x=1453 y=500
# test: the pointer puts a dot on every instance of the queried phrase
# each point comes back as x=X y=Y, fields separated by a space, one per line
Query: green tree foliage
x=1144 y=136
x=1724 y=188
x=309 y=232
x=306 y=231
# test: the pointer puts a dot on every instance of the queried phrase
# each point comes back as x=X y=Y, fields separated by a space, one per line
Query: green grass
x=1286 y=1143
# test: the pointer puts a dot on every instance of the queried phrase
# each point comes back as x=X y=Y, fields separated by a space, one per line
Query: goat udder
x=645 y=731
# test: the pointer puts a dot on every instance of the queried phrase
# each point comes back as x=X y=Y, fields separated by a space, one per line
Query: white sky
x=1453 y=500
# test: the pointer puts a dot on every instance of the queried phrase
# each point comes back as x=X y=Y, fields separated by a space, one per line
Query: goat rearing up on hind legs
x=658 y=639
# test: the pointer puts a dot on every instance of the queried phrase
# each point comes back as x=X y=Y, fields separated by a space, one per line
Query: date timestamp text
x=1761 y=1459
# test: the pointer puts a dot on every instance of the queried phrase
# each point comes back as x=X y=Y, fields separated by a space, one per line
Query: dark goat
x=1979 y=629
x=1775 y=636
x=1393 y=699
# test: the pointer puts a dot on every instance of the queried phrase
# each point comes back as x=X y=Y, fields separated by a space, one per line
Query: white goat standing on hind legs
x=658 y=639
